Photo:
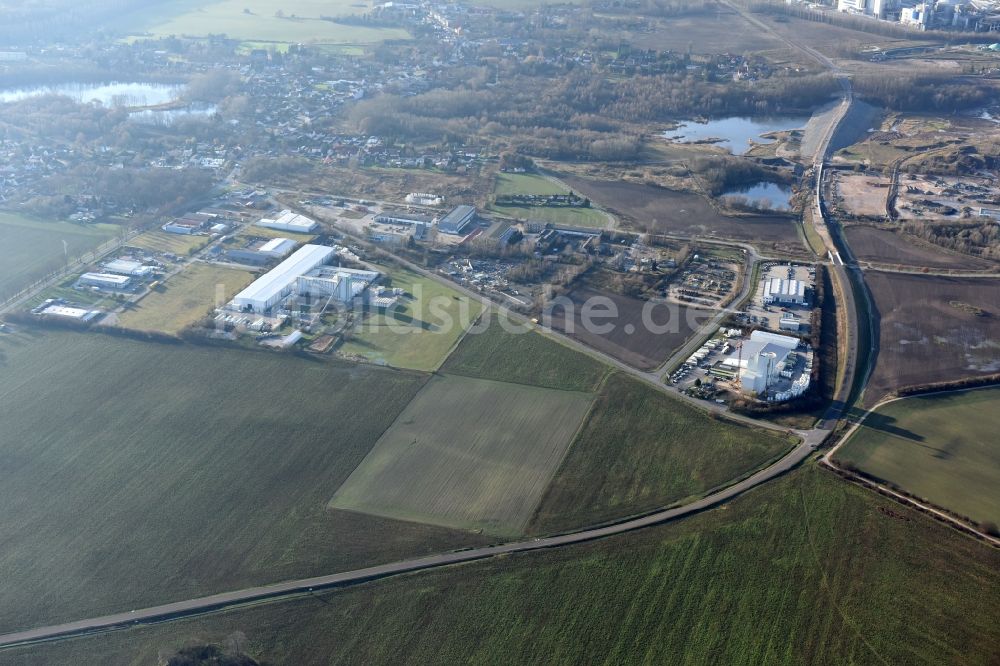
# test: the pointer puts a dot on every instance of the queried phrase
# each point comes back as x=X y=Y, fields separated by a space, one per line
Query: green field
x=805 y=570
x=520 y=183
x=641 y=449
x=135 y=473
x=467 y=453
x=253 y=231
x=185 y=298
x=419 y=332
x=528 y=358
x=940 y=447
x=33 y=248
x=295 y=21
x=161 y=241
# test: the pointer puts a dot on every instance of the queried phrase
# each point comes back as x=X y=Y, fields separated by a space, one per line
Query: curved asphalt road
x=224 y=600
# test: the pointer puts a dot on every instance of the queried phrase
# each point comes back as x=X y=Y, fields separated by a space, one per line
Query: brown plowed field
x=659 y=210
x=929 y=330
x=629 y=341
x=884 y=246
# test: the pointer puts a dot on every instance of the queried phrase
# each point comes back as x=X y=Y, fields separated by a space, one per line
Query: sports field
x=135 y=473
x=160 y=241
x=467 y=453
x=521 y=183
x=641 y=449
x=295 y=21
x=804 y=570
x=185 y=298
x=34 y=248
x=940 y=447
x=419 y=331
x=507 y=355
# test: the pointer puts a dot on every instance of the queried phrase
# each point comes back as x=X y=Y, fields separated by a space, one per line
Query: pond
x=114 y=94
x=734 y=132
x=771 y=196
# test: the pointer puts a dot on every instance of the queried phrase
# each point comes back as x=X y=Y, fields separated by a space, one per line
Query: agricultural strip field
x=805 y=570
x=643 y=347
x=419 y=331
x=884 y=246
x=509 y=183
x=161 y=241
x=932 y=329
x=659 y=210
x=33 y=248
x=185 y=298
x=523 y=358
x=940 y=447
x=641 y=449
x=135 y=473
x=467 y=453
x=295 y=21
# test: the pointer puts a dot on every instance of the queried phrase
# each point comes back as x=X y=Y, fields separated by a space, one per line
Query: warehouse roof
x=276 y=280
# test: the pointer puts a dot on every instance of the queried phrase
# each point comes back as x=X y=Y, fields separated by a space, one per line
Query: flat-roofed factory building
x=458 y=220
x=271 y=288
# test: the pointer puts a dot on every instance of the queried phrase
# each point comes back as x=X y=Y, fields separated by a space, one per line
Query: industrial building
x=788 y=292
x=129 y=268
x=457 y=220
x=104 y=281
x=403 y=218
x=277 y=248
x=67 y=312
x=764 y=361
x=289 y=221
x=271 y=288
x=340 y=284
x=423 y=199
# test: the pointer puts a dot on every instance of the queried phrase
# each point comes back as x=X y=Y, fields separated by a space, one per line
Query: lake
x=776 y=196
x=115 y=94
x=734 y=132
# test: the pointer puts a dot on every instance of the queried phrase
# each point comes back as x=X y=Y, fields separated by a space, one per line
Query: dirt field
x=666 y=211
x=467 y=452
x=862 y=194
x=885 y=246
x=630 y=340
x=930 y=332
x=702 y=34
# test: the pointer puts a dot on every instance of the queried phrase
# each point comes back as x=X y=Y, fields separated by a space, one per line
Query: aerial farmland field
x=631 y=340
x=161 y=241
x=886 y=246
x=185 y=298
x=941 y=447
x=658 y=210
x=933 y=329
x=419 y=331
x=33 y=248
x=509 y=183
x=294 y=21
x=467 y=453
x=523 y=358
x=804 y=570
x=136 y=473
x=641 y=449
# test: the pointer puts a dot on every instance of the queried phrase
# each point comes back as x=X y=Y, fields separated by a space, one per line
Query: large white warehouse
x=270 y=289
x=289 y=221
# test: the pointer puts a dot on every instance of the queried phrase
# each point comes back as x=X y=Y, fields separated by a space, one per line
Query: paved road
x=216 y=602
